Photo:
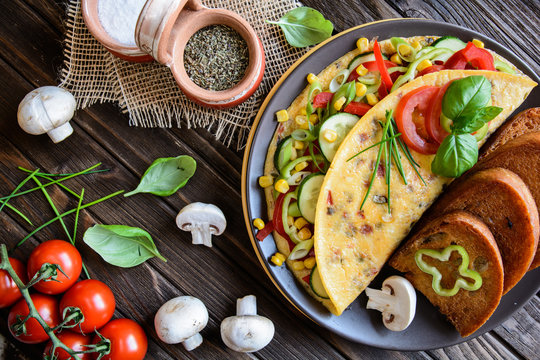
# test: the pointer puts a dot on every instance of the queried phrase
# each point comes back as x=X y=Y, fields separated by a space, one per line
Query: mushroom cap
x=199 y=212
x=45 y=108
x=180 y=318
x=247 y=333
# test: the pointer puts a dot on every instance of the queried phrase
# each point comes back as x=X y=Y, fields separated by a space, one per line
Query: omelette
x=338 y=244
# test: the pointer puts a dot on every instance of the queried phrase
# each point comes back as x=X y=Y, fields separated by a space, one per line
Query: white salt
x=119 y=18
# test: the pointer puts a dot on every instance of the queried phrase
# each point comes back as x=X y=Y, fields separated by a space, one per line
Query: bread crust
x=467 y=310
x=504 y=202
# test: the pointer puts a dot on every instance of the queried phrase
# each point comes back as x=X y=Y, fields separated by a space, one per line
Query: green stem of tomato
x=6 y=265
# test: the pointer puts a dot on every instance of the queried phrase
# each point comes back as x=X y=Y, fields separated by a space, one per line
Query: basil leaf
x=482 y=117
x=304 y=26
x=121 y=245
x=466 y=96
x=166 y=175
x=457 y=154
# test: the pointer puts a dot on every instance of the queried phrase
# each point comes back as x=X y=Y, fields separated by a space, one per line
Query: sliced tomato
x=321 y=99
x=268 y=228
x=385 y=77
x=433 y=120
x=430 y=69
x=357 y=108
x=410 y=116
x=277 y=219
x=456 y=62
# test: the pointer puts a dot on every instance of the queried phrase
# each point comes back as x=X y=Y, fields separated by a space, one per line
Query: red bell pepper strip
x=370 y=66
x=430 y=69
x=276 y=218
x=386 y=80
x=306 y=278
x=264 y=232
x=456 y=62
x=321 y=99
x=480 y=59
x=382 y=91
x=357 y=108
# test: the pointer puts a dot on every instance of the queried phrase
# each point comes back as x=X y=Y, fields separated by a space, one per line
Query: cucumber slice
x=308 y=194
x=283 y=152
x=341 y=123
x=362 y=58
x=316 y=284
x=449 y=42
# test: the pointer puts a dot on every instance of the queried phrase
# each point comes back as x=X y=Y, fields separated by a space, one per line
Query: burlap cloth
x=148 y=92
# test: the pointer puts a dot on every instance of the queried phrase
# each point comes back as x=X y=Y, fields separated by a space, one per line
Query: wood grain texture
x=30 y=53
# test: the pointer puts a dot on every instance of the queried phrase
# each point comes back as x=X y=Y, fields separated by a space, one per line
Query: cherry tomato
x=94 y=299
x=55 y=252
x=47 y=307
x=9 y=292
x=410 y=115
x=76 y=342
x=128 y=340
x=433 y=120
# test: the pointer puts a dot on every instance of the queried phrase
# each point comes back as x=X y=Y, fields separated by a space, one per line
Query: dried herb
x=216 y=57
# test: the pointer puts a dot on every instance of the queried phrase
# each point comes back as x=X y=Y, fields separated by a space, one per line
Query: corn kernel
x=293 y=172
x=301 y=121
x=405 y=51
x=282 y=115
x=299 y=145
x=290 y=220
x=301 y=166
x=361 y=70
x=309 y=263
x=304 y=233
x=303 y=111
x=372 y=99
x=298 y=265
x=294 y=154
x=478 y=43
x=362 y=44
x=311 y=78
x=314 y=119
x=258 y=223
x=281 y=186
x=416 y=45
x=300 y=223
x=277 y=261
x=396 y=59
x=424 y=64
x=360 y=89
x=280 y=256
x=330 y=135
x=265 y=181
x=339 y=103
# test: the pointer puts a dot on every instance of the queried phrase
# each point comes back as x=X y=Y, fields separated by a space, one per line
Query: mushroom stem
x=193 y=342
x=246 y=305
x=380 y=300
x=60 y=133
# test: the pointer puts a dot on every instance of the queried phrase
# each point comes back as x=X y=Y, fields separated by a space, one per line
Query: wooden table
x=31 y=33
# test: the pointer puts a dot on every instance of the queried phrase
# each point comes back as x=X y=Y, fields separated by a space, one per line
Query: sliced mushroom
x=203 y=220
x=247 y=331
x=47 y=109
x=396 y=300
x=180 y=320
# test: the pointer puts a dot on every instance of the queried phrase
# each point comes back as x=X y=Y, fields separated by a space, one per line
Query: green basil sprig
x=465 y=103
x=304 y=26
x=121 y=245
x=166 y=175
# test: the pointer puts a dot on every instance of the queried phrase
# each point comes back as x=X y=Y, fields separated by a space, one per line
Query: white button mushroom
x=47 y=109
x=247 y=331
x=180 y=320
x=396 y=300
x=203 y=220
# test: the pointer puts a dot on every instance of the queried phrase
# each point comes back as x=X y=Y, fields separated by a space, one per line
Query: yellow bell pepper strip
x=463 y=270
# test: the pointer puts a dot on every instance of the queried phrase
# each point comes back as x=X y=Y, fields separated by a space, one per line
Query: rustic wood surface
x=31 y=33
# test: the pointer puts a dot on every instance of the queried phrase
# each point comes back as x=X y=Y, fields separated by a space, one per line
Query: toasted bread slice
x=525 y=122
x=503 y=201
x=466 y=310
x=521 y=156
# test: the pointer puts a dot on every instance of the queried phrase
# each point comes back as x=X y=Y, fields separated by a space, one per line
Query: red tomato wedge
x=357 y=108
x=433 y=120
x=321 y=99
x=411 y=114
x=430 y=69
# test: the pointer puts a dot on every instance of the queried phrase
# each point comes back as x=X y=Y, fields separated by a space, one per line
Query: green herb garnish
x=304 y=26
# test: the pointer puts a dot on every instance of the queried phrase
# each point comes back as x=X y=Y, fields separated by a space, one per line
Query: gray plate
x=429 y=329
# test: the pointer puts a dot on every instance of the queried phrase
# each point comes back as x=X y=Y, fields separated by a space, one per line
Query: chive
x=372 y=146
x=397 y=156
x=65 y=214
x=9 y=206
x=312 y=154
x=48 y=177
x=51 y=183
x=7 y=198
x=409 y=157
x=388 y=156
x=53 y=207
x=75 y=229
x=40 y=174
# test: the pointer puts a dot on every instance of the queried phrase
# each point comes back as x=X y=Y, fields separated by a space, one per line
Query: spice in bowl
x=119 y=18
x=216 y=57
